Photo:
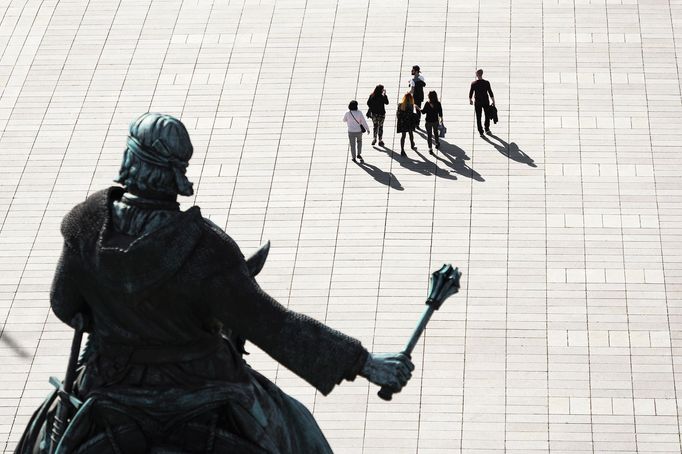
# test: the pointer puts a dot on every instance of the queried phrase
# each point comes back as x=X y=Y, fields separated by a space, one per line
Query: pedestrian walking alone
x=481 y=88
x=376 y=102
x=406 y=121
x=433 y=112
x=417 y=84
x=357 y=125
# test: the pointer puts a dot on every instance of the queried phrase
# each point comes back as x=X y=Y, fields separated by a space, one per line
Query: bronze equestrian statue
x=167 y=298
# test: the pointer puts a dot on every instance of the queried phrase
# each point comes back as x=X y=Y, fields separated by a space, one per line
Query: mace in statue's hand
x=393 y=370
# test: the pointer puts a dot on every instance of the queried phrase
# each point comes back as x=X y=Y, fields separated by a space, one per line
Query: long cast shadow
x=455 y=159
x=4 y=337
x=423 y=166
x=379 y=175
x=510 y=150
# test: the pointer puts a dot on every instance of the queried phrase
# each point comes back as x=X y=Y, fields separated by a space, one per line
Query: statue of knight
x=158 y=290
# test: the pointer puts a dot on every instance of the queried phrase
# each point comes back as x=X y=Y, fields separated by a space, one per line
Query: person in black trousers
x=434 y=115
x=376 y=102
x=417 y=85
x=481 y=88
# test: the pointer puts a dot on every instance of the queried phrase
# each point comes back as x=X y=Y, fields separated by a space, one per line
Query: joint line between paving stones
x=56 y=84
x=2 y=55
x=248 y=121
x=422 y=341
x=544 y=185
x=660 y=236
x=23 y=170
x=56 y=178
x=468 y=256
x=23 y=84
x=310 y=165
x=370 y=387
x=125 y=77
x=343 y=192
x=660 y=239
x=281 y=131
x=189 y=88
x=217 y=108
x=506 y=292
x=278 y=366
x=677 y=64
x=582 y=212
x=620 y=217
x=11 y=34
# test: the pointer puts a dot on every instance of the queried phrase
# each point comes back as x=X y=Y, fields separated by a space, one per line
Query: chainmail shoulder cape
x=174 y=285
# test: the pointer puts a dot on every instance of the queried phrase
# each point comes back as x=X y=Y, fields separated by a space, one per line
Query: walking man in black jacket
x=481 y=88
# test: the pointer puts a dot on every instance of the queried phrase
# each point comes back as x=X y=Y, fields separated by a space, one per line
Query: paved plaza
x=566 y=336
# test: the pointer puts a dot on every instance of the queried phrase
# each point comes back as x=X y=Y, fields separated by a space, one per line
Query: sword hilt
x=64 y=407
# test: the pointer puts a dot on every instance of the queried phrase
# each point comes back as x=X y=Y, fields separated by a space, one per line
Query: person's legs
x=351 y=139
x=375 y=123
x=359 y=139
x=479 y=110
x=412 y=138
x=436 y=135
x=402 y=143
x=419 y=113
x=380 y=127
x=430 y=126
x=487 y=119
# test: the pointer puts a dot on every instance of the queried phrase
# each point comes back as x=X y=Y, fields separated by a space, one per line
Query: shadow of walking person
x=510 y=150
x=382 y=177
x=455 y=159
x=424 y=167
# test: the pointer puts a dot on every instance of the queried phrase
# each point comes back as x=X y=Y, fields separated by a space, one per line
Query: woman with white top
x=357 y=124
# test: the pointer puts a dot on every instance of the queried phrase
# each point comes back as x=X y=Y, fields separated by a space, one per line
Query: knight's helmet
x=156 y=157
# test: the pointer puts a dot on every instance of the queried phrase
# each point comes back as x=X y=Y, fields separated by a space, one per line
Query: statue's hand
x=388 y=369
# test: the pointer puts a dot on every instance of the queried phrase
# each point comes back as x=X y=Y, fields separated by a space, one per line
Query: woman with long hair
x=406 y=121
x=434 y=114
x=376 y=103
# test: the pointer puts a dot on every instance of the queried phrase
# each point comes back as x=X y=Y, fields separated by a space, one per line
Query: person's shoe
x=481 y=133
x=361 y=160
x=402 y=153
x=430 y=150
x=354 y=160
x=381 y=143
x=374 y=141
x=414 y=147
x=487 y=131
x=438 y=146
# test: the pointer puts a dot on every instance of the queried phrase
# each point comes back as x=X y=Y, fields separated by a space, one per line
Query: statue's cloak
x=157 y=304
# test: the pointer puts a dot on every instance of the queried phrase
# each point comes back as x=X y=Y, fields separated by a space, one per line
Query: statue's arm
x=320 y=355
x=65 y=297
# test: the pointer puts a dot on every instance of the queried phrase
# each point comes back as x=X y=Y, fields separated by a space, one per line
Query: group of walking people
x=410 y=111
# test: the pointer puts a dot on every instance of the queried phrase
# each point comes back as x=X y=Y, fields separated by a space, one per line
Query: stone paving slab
x=567 y=334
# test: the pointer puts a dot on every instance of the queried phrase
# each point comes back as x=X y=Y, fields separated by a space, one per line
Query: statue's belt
x=159 y=354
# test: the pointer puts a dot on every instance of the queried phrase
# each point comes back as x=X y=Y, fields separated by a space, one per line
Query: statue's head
x=156 y=157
